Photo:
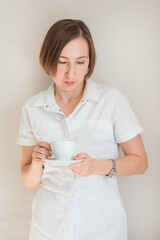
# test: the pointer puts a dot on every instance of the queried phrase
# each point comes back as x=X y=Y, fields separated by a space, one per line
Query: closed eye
x=66 y=62
x=62 y=62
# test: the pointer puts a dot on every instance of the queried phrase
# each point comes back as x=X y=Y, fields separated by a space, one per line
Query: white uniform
x=66 y=206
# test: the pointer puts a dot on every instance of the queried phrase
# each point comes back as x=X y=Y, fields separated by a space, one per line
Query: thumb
x=80 y=156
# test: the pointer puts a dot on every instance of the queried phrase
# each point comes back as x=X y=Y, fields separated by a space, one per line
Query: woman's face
x=72 y=65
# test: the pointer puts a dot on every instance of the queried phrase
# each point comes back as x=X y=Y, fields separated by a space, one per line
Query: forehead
x=76 y=48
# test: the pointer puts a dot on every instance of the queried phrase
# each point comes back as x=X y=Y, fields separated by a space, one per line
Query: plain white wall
x=126 y=36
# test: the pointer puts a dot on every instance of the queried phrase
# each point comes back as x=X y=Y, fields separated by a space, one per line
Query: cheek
x=61 y=71
x=82 y=71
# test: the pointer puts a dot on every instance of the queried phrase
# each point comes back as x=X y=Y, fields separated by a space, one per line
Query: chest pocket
x=95 y=130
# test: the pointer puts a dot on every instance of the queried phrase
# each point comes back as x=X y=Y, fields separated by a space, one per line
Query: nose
x=70 y=71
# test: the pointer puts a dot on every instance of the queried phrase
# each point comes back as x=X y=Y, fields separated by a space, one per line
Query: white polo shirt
x=104 y=114
x=67 y=206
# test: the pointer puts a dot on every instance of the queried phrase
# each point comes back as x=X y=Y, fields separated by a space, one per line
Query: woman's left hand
x=84 y=168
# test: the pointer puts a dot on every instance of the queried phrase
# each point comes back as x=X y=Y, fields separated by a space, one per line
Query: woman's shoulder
x=31 y=101
x=109 y=92
x=37 y=99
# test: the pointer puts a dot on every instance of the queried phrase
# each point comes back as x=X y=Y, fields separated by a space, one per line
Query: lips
x=69 y=83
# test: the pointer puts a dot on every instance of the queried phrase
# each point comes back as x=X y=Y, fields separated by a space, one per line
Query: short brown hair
x=61 y=33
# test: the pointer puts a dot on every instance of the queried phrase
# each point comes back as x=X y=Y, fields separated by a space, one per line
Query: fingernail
x=75 y=157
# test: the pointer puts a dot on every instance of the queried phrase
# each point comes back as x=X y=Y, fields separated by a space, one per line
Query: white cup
x=63 y=149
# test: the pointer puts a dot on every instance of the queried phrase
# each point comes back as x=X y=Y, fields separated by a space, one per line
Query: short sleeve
x=25 y=133
x=126 y=125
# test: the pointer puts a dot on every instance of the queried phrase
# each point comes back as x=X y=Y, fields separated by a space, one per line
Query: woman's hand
x=41 y=151
x=84 y=168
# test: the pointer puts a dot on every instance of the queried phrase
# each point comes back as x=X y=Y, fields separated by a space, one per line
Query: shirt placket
x=64 y=122
x=70 y=186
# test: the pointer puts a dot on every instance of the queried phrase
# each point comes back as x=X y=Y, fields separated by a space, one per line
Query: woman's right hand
x=41 y=151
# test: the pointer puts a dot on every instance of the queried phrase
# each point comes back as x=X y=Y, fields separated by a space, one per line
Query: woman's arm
x=134 y=162
x=31 y=173
x=32 y=165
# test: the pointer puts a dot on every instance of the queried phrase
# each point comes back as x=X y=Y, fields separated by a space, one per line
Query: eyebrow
x=77 y=58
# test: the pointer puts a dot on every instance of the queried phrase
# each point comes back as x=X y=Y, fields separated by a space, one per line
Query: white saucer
x=55 y=162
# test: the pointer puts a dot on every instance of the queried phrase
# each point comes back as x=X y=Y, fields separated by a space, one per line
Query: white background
x=127 y=41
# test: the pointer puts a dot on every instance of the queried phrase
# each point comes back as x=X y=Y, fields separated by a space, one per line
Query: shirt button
x=60 y=110
x=47 y=106
x=82 y=100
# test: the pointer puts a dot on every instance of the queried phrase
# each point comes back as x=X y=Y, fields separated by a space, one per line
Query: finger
x=80 y=156
x=42 y=151
x=45 y=145
x=38 y=161
x=76 y=171
x=79 y=164
x=38 y=155
x=75 y=165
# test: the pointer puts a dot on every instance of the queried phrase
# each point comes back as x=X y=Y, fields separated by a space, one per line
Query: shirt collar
x=47 y=98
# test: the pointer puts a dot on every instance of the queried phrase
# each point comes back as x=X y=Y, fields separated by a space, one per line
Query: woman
x=80 y=201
